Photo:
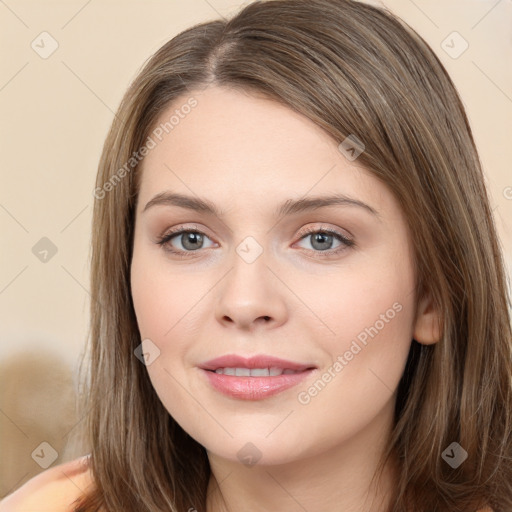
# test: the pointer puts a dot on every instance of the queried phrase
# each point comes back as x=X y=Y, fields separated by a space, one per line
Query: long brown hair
x=352 y=69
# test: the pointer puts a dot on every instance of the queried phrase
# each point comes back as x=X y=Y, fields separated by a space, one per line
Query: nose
x=250 y=296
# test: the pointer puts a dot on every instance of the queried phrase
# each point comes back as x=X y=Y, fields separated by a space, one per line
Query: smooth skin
x=248 y=155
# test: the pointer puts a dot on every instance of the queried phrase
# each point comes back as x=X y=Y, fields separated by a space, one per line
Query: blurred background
x=65 y=67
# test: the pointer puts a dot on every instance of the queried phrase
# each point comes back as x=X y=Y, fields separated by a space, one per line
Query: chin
x=253 y=450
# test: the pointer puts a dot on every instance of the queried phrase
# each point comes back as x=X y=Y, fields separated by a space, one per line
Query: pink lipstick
x=254 y=378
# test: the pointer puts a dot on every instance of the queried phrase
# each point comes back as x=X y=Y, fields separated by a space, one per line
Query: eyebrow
x=288 y=207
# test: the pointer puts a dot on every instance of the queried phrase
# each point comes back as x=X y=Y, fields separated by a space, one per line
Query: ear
x=427 y=327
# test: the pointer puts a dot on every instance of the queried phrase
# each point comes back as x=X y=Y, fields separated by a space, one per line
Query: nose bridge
x=250 y=290
x=250 y=276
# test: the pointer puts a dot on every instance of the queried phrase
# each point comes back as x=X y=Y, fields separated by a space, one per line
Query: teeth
x=259 y=372
x=254 y=372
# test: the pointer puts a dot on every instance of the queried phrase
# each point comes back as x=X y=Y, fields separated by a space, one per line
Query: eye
x=186 y=240
x=321 y=239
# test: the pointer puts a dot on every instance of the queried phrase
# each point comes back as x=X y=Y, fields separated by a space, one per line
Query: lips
x=254 y=362
x=253 y=378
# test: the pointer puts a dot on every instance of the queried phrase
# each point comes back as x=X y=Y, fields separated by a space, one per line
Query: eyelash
x=346 y=242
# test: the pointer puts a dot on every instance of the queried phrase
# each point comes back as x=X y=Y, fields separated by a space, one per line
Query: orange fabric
x=53 y=490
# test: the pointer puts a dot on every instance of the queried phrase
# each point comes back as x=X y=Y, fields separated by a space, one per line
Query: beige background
x=55 y=115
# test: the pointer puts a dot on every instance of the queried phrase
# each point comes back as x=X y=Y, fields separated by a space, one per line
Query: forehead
x=238 y=148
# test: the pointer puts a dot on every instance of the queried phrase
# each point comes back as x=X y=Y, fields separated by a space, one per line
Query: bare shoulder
x=54 y=489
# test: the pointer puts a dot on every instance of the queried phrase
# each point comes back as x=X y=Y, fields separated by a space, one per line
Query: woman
x=237 y=362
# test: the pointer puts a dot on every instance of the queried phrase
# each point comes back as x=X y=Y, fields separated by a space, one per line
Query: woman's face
x=258 y=278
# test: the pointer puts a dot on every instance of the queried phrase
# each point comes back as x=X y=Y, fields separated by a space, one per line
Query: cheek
x=369 y=309
x=163 y=304
x=368 y=354
x=164 y=301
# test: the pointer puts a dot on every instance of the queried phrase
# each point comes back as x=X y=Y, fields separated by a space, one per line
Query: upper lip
x=258 y=361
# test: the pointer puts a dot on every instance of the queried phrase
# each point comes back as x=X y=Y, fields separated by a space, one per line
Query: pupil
x=321 y=237
x=192 y=238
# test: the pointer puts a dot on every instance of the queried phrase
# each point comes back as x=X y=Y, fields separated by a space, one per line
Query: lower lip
x=254 y=388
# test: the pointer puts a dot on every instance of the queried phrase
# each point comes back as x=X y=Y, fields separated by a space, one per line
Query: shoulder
x=53 y=490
